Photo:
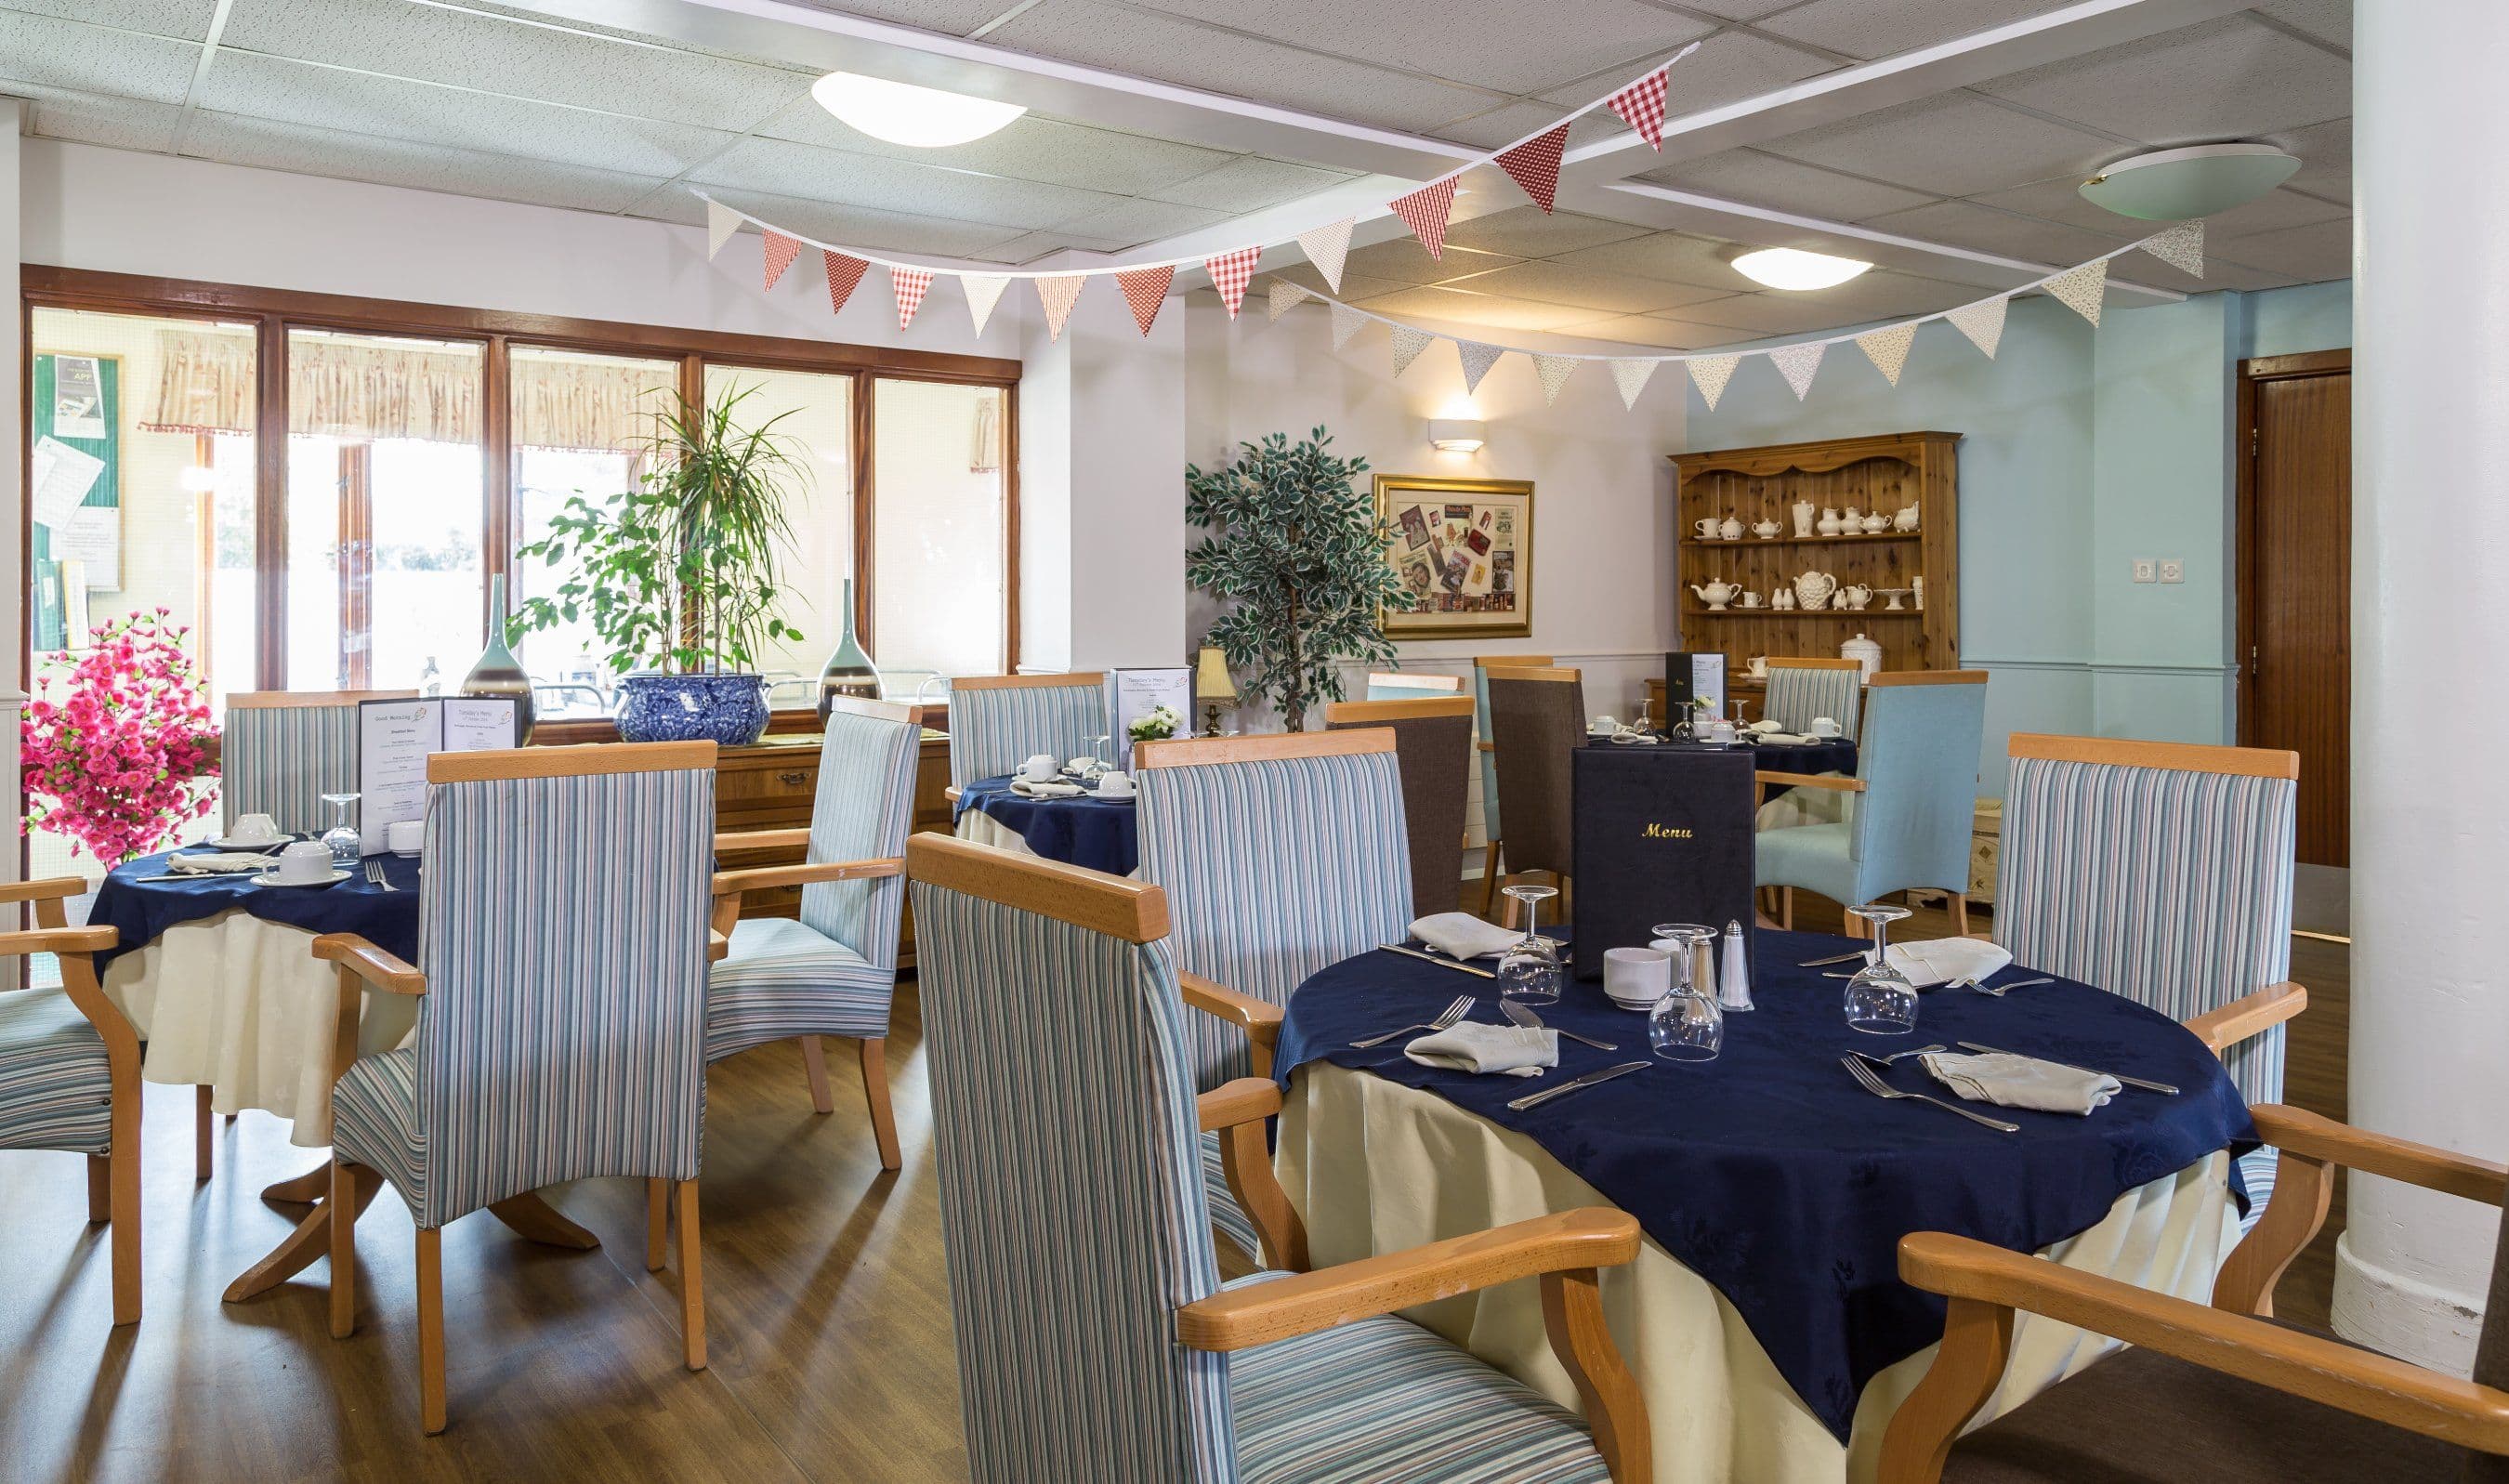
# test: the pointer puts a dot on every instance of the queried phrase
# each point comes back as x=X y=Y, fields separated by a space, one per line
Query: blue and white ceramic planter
x=727 y=710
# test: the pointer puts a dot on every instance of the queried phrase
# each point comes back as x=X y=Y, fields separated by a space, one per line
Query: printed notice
x=394 y=740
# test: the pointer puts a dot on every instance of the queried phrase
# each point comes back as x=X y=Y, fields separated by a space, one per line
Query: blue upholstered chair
x=832 y=970
x=1492 y=846
x=1802 y=688
x=562 y=956
x=1281 y=855
x=1914 y=805
x=1412 y=686
x=1094 y=1339
x=69 y=1073
x=282 y=750
x=2161 y=872
x=997 y=721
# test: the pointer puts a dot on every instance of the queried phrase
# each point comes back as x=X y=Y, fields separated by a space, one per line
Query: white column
x=13 y=555
x=2430 y=836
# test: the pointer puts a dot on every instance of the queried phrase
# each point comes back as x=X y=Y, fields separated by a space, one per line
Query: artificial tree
x=1296 y=556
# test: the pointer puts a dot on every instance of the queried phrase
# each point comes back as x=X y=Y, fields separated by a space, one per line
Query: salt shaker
x=1733 y=970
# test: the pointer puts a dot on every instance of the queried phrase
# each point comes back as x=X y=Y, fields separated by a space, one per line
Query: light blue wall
x=2286 y=321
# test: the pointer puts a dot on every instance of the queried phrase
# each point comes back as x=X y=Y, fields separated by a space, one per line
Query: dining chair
x=1911 y=804
x=1537 y=724
x=832 y=970
x=1064 y=1107
x=1433 y=747
x=1281 y=854
x=2161 y=872
x=2224 y=1393
x=561 y=1025
x=1493 y=851
x=1411 y=685
x=1803 y=687
x=997 y=721
x=70 y=1071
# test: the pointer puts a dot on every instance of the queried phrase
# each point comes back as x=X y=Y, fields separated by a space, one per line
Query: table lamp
x=1212 y=682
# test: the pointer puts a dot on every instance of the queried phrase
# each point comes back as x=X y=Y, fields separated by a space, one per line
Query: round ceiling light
x=2175 y=185
x=901 y=113
x=1792 y=268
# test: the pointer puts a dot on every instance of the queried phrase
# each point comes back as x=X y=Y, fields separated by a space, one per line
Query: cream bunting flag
x=1477 y=358
x=2181 y=248
x=1230 y=272
x=1797 y=363
x=1327 y=247
x=1555 y=371
x=1346 y=322
x=2081 y=288
x=781 y=252
x=1710 y=373
x=1425 y=211
x=984 y=291
x=910 y=286
x=1887 y=349
x=1982 y=323
x=1631 y=377
x=721 y=223
x=1409 y=343
x=1057 y=294
x=844 y=276
x=1146 y=289
x=1282 y=296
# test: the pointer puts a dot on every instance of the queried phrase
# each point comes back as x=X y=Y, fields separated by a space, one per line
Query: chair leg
x=1489 y=876
x=204 y=1122
x=99 y=1189
x=344 y=1253
x=1960 y=912
x=1786 y=907
x=692 y=1280
x=814 y=1062
x=431 y=1329
x=884 y=1122
x=122 y=1175
x=657 y=1222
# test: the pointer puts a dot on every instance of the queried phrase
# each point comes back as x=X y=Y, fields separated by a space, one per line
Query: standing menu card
x=1139 y=692
x=1663 y=834
x=1689 y=676
x=395 y=738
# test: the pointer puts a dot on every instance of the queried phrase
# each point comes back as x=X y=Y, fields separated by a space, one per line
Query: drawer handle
x=793 y=780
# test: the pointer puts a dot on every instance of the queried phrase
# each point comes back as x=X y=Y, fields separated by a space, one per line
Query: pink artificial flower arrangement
x=111 y=764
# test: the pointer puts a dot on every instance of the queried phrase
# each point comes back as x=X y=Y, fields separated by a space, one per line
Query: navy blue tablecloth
x=1099 y=834
x=1770 y=1173
x=142 y=910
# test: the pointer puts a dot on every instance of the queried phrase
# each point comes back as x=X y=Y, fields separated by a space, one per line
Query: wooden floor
x=829 y=1308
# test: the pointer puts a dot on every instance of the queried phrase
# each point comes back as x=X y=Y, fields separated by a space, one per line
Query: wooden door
x=2296 y=582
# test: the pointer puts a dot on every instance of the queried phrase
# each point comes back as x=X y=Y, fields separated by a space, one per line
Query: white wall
x=13 y=557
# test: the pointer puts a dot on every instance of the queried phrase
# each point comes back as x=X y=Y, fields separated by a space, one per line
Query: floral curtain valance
x=346 y=389
x=204 y=384
x=590 y=406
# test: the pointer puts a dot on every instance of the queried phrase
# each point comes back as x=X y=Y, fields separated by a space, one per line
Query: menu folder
x=1663 y=834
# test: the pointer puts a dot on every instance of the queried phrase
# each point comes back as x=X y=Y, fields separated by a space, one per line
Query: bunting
x=1887 y=349
x=1327 y=247
x=1230 y=272
x=1631 y=377
x=1710 y=373
x=1535 y=164
x=1346 y=322
x=2181 y=248
x=1982 y=323
x=1425 y=211
x=1058 y=293
x=2080 y=290
x=910 y=286
x=1555 y=371
x=721 y=223
x=1477 y=358
x=1284 y=296
x=1641 y=105
x=984 y=291
x=1409 y=343
x=844 y=274
x=781 y=250
x=1797 y=363
x=1146 y=289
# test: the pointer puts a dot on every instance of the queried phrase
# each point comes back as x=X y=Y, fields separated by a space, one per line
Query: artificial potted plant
x=678 y=574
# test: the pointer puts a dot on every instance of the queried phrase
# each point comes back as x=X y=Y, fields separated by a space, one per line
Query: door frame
x=2256 y=369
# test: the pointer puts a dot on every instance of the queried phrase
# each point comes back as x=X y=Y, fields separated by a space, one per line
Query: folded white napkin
x=213 y=863
x=2022 y=1082
x=1940 y=960
x=1785 y=738
x=1629 y=734
x=1764 y=726
x=1507 y=1051
x=1028 y=790
x=1461 y=935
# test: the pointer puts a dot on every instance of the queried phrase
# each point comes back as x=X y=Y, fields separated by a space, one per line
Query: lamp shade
x=1210 y=680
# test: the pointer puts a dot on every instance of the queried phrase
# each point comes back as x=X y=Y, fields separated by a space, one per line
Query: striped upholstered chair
x=282 y=750
x=997 y=721
x=832 y=970
x=562 y=956
x=1801 y=689
x=2161 y=872
x=69 y=1073
x=1493 y=849
x=1094 y=1339
x=1281 y=854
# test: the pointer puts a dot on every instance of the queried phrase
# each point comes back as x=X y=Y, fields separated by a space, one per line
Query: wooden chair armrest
x=1246 y=1101
x=717 y=945
x=58 y=939
x=379 y=969
x=796 y=839
x=1236 y=1111
x=2251 y=1014
x=1839 y=783
x=2316 y=1136
x=1261 y=1019
x=49 y=889
x=953 y=793
x=734 y=883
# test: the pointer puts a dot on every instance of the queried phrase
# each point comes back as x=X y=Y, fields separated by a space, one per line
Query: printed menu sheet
x=1139 y=692
x=395 y=738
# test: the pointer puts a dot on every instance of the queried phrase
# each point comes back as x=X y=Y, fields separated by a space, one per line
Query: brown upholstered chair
x=1537 y=724
x=1493 y=835
x=2223 y=1394
x=1433 y=743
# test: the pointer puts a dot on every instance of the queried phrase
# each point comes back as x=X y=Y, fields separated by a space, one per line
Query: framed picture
x=1464 y=547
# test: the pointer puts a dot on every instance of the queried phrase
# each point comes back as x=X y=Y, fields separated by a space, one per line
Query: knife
x=1392 y=947
x=1535 y=1100
x=1822 y=963
x=2132 y=1082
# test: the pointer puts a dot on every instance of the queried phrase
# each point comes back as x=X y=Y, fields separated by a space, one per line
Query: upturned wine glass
x=1531 y=970
x=1687 y=1024
x=342 y=836
x=1880 y=999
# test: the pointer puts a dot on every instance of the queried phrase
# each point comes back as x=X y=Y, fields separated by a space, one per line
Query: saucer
x=231 y=842
x=271 y=878
x=1639 y=1006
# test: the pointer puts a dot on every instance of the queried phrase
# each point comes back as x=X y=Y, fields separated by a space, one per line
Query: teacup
x=304 y=864
x=1822 y=726
x=1706 y=528
x=1603 y=726
x=1637 y=977
x=405 y=837
x=1758 y=664
x=1115 y=783
x=1749 y=600
x=254 y=830
x=1040 y=767
x=1720 y=730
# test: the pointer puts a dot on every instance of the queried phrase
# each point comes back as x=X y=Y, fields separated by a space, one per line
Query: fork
x=1878 y=1088
x=1995 y=992
x=1446 y=1017
x=375 y=876
x=1895 y=1056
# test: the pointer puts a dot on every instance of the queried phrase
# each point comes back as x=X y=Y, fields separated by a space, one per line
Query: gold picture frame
x=1465 y=547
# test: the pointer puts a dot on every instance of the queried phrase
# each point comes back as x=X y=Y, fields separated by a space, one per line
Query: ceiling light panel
x=910 y=114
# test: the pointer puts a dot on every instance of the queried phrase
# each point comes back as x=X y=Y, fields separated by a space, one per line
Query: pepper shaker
x=1733 y=970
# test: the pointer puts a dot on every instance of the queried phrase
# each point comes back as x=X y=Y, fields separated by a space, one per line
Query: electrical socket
x=2145 y=570
x=2172 y=569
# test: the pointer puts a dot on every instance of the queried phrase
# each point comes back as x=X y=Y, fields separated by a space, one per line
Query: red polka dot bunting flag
x=1641 y=105
x=781 y=250
x=1425 y=211
x=1230 y=272
x=1535 y=164
x=844 y=275
x=1146 y=289
x=910 y=285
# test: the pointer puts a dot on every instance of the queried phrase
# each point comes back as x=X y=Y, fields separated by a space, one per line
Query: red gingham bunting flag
x=1425 y=212
x=844 y=272
x=1057 y=294
x=1535 y=166
x=910 y=286
x=781 y=250
x=1146 y=289
x=1230 y=274
x=1641 y=103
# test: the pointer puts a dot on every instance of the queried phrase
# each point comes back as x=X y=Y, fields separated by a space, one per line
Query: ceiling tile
x=1527 y=232
x=1488 y=312
x=1593 y=288
x=1881 y=293
x=1177 y=51
x=1132 y=219
x=467 y=49
x=1031 y=148
x=2325 y=152
x=1250 y=183
x=2310 y=254
x=2217 y=275
x=955 y=17
x=1983 y=229
x=1951 y=144
x=183 y=20
x=1727 y=67
x=2227 y=78
x=1354 y=287
x=1773 y=181
x=853 y=226
x=1405 y=261
x=120 y=122
x=1652 y=331
x=1738 y=10
x=1776 y=313
x=895 y=185
x=2329 y=20
x=299 y=92
x=312 y=151
x=1503 y=126
x=1029 y=249
x=92 y=59
x=1870 y=28
x=1676 y=258
x=1513 y=46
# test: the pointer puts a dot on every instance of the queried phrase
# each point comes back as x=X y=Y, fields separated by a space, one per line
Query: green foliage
x=679 y=574
x=1297 y=555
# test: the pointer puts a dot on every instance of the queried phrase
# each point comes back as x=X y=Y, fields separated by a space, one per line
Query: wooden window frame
x=274 y=312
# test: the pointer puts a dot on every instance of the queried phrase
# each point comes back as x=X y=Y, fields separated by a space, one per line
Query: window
x=937 y=529
x=814 y=414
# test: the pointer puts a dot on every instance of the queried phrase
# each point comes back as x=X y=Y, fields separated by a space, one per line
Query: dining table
x=1763 y=1315
x=1082 y=830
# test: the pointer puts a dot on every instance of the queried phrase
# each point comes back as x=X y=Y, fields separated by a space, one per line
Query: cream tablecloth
x=1374 y=1167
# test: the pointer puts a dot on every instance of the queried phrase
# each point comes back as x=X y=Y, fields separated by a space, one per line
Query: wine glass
x=342 y=836
x=1686 y=1024
x=1880 y=1000
x=1531 y=970
x=1742 y=733
x=1098 y=763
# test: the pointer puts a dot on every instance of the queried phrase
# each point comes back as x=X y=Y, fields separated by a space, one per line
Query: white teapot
x=1814 y=589
x=1906 y=519
x=1732 y=529
x=1766 y=530
x=1716 y=594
